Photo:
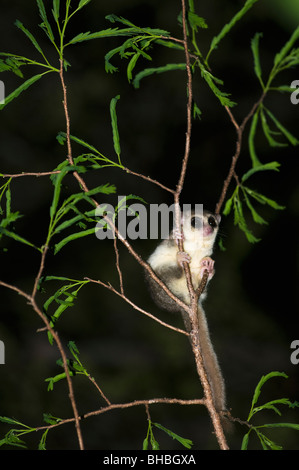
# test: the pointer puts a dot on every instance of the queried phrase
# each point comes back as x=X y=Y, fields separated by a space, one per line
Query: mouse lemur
x=199 y=234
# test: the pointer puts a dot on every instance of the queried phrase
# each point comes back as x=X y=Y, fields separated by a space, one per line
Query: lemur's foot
x=207 y=264
x=183 y=257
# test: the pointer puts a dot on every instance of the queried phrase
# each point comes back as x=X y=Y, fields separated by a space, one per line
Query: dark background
x=252 y=303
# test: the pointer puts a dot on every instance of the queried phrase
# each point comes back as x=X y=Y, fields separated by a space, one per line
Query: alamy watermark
x=140 y=221
x=294 y=95
x=2 y=352
x=2 y=92
x=295 y=354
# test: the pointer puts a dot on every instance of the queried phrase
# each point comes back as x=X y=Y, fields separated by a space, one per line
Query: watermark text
x=139 y=221
x=2 y=92
x=2 y=352
x=295 y=354
x=294 y=95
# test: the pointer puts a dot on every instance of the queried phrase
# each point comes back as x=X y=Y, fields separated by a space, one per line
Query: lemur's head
x=201 y=225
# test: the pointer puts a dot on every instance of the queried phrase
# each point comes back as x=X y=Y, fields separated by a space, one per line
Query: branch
x=121 y=406
x=240 y=131
x=194 y=296
x=68 y=134
x=122 y=295
x=149 y=179
x=189 y=105
x=37 y=174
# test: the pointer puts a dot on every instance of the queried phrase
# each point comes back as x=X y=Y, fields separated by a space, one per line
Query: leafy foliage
x=75 y=367
x=286 y=58
x=267 y=443
x=72 y=215
x=150 y=438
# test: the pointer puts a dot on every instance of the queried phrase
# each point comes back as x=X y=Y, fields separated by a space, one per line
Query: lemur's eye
x=196 y=222
x=212 y=221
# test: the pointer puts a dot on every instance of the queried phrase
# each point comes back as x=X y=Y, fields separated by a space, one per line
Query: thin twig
x=139 y=309
x=189 y=105
x=180 y=184
x=194 y=296
x=122 y=406
x=149 y=179
x=55 y=172
x=99 y=390
x=240 y=131
x=68 y=133
x=41 y=268
x=121 y=283
x=37 y=174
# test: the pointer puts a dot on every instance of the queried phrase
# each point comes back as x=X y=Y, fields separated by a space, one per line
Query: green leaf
x=286 y=133
x=256 y=217
x=109 y=68
x=12 y=439
x=154 y=443
x=196 y=111
x=57 y=180
x=57 y=378
x=239 y=218
x=50 y=419
x=268 y=166
x=83 y=3
x=45 y=25
x=145 y=444
x=22 y=88
x=256 y=56
x=169 y=44
x=68 y=223
x=257 y=390
x=287 y=47
x=196 y=21
x=225 y=30
x=5 y=419
x=228 y=205
x=266 y=442
x=281 y=425
x=263 y=199
x=56 y=8
x=17 y=238
x=268 y=133
x=114 y=126
x=30 y=36
x=185 y=442
x=42 y=442
x=252 y=132
x=150 y=71
x=105 y=33
x=73 y=348
x=135 y=29
x=60 y=278
x=72 y=237
x=61 y=137
x=211 y=81
x=131 y=65
x=245 y=440
x=13 y=64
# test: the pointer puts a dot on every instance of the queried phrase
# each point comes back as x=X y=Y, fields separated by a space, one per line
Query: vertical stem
x=68 y=127
x=189 y=107
x=194 y=335
x=84 y=187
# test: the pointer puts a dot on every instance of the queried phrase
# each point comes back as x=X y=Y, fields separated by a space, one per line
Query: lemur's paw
x=183 y=257
x=207 y=264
